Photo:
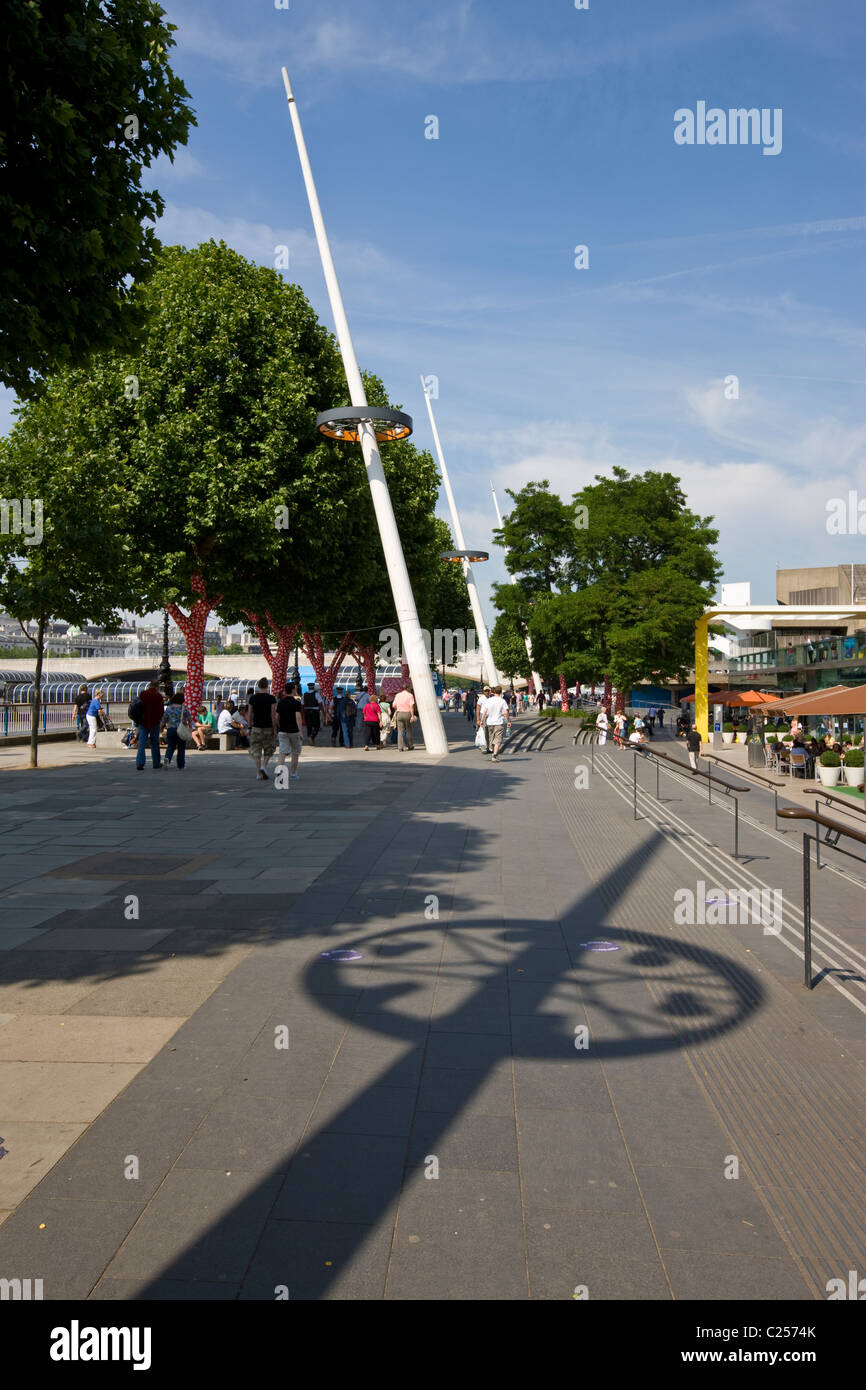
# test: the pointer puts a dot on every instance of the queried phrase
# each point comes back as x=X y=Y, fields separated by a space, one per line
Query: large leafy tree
x=644 y=568
x=538 y=536
x=223 y=455
x=87 y=102
x=69 y=554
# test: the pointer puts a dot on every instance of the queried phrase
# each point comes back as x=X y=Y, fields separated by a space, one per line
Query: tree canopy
x=87 y=102
x=614 y=580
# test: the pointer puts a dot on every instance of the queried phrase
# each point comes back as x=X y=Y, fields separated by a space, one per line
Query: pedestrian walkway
x=529 y=1080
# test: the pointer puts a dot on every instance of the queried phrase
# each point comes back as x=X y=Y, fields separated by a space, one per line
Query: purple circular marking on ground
x=597 y=946
x=341 y=955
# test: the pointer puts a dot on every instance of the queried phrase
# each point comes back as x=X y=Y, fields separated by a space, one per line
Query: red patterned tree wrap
x=193 y=626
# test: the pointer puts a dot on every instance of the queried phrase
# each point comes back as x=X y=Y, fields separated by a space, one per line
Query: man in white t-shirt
x=480 y=711
x=495 y=719
x=602 y=723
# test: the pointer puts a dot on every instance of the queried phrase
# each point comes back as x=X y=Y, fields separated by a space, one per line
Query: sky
x=556 y=129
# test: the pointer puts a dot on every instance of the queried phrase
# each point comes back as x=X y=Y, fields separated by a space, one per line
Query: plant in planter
x=857 y=740
x=727 y=733
x=829 y=769
x=771 y=739
x=787 y=738
x=854 y=768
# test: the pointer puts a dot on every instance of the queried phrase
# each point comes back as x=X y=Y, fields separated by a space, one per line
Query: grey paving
x=431 y=1130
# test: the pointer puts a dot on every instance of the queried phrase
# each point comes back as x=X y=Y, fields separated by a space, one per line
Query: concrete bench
x=228 y=741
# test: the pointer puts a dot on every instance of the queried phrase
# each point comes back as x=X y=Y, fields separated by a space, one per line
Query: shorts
x=261 y=741
x=290 y=743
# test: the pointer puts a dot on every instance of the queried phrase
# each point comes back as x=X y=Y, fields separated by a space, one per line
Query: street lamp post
x=360 y=424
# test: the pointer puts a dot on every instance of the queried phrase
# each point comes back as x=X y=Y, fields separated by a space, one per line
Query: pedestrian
x=386 y=721
x=93 y=708
x=81 y=702
x=496 y=717
x=153 y=708
x=480 y=712
x=371 y=716
x=693 y=744
x=242 y=724
x=348 y=712
x=263 y=728
x=469 y=705
x=361 y=698
x=539 y=700
x=290 y=717
x=620 y=724
x=176 y=716
x=651 y=719
x=660 y=716
x=336 y=711
x=602 y=723
x=403 y=706
x=312 y=711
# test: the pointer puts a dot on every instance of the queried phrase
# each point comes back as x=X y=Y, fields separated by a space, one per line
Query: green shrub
x=771 y=738
x=830 y=759
x=727 y=728
x=854 y=758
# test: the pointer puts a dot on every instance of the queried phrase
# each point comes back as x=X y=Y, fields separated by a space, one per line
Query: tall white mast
x=474 y=600
x=414 y=648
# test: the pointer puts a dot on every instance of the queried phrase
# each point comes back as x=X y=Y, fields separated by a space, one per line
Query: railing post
x=634 y=783
x=736 y=826
x=710 y=775
x=817 y=840
x=658 y=765
x=807 y=908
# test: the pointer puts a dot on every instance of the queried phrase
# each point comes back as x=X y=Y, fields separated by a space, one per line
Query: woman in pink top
x=371 y=716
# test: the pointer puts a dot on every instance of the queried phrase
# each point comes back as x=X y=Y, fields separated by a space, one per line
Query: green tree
x=87 y=102
x=538 y=536
x=508 y=638
x=645 y=569
x=78 y=564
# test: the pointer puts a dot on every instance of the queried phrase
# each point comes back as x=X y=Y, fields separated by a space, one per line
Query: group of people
x=642 y=730
x=89 y=715
x=263 y=724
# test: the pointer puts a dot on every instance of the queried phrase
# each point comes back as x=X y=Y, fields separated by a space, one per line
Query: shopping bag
x=480 y=738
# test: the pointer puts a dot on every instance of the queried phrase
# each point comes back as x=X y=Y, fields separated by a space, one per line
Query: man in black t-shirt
x=312 y=717
x=263 y=728
x=290 y=717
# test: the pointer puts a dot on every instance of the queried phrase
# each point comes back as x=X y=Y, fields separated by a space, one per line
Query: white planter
x=854 y=776
x=741 y=738
x=727 y=738
x=829 y=776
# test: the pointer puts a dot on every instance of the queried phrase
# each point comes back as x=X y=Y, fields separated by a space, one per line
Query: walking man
x=496 y=716
x=403 y=706
x=312 y=711
x=290 y=715
x=693 y=744
x=153 y=708
x=480 y=722
x=263 y=729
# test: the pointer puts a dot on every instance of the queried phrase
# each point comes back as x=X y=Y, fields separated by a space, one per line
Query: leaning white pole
x=414 y=648
x=536 y=678
x=474 y=600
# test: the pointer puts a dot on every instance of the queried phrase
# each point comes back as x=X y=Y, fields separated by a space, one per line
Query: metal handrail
x=798 y=813
x=760 y=777
x=727 y=787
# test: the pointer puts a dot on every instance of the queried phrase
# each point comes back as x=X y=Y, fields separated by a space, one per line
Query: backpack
x=136 y=711
x=350 y=709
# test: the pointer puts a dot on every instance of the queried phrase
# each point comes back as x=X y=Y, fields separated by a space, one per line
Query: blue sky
x=456 y=255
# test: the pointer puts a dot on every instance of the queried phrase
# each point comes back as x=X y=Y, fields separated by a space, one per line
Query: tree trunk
x=314 y=651
x=277 y=660
x=193 y=626
x=37 y=695
x=608 y=692
x=366 y=656
x=563 y=690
